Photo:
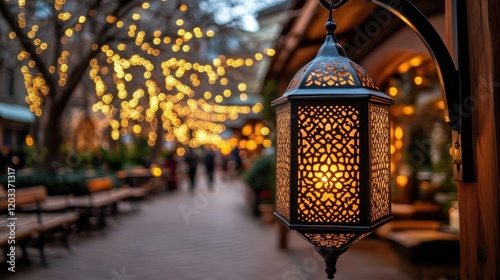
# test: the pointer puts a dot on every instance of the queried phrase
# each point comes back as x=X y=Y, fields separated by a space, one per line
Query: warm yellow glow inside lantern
x=329 y=176
x=328 y=163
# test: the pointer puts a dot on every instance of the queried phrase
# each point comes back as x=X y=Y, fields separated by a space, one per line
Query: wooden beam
x=294 y=37
x=479 y=203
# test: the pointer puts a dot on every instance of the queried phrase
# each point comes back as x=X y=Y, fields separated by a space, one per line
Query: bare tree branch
x=26 y=43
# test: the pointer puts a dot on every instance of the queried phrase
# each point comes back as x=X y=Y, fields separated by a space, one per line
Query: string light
x=128 y=88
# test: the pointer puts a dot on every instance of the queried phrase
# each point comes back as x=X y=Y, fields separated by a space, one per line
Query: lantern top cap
x=332 y=73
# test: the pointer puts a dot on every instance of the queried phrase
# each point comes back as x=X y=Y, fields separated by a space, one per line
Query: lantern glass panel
x=328 y=164
x=283 y=162
x=380 y=162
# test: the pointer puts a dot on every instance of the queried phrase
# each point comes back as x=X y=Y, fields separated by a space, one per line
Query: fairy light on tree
x=142 y=58
x=171 y=103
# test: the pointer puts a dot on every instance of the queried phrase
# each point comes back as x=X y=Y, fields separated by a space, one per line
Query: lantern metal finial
x=333 y=5
x=330 y=256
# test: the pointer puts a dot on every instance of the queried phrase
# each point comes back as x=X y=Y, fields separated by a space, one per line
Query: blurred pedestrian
x=209 y=162
x=6 y=159
x=97 y=160
x=171 y=167
x=192 y=163
x=235 y=162
x=19 y=159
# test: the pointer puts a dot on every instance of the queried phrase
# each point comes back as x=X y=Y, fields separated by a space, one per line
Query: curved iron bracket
x=448 y=73
x=454 y=80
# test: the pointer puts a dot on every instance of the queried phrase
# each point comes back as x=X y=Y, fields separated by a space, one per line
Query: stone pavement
x=200 y=236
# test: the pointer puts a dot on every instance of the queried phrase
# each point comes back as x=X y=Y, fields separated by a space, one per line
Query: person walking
x=192 y=163
x=171 y=167
x=209 y=162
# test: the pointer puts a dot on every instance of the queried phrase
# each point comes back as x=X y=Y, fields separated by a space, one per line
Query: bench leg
x=64 y=239
x=101 y=223
x=25 y=257
x=83 y=221
x=114 y=208
x=41 y=245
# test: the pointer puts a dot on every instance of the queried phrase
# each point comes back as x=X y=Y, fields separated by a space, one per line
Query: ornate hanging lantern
x=333 y=152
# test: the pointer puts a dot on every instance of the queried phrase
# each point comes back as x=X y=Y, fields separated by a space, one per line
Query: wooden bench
x=417 y=211
x=425 y=249
x=144 y=178
x=59 y=203
x=33 y=226
x=102 y=196
x=102 y=193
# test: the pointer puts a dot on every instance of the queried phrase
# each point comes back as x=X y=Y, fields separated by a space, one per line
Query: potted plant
x=260 y=177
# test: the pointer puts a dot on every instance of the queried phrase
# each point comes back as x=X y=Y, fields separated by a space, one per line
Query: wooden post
x=479 y=203
x=283 y=237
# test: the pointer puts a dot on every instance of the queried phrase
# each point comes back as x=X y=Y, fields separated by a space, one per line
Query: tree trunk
x=155 y=152
x=50 y=130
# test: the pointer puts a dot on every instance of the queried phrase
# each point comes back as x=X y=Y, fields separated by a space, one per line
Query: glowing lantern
x=333 y=153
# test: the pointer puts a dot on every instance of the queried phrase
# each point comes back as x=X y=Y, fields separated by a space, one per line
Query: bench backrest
x=99 y=184
x=3 y=198
x=30 y=195
x=24 y=196
x=134 y=173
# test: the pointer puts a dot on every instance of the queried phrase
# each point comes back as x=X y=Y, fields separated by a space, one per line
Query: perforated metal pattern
x=298 y=77
x=379 y=126
x=328 y=164
x=333 y=240
x=283 y=163
x=366 y=80
x=330 y=73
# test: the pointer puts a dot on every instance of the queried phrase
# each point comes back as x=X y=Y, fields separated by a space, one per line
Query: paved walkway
x=200 y=236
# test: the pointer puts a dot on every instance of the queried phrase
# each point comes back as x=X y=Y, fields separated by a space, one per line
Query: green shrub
x=261 y=176
x=73 y=182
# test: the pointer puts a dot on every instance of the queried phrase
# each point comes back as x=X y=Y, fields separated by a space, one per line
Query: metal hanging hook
x=332 y=4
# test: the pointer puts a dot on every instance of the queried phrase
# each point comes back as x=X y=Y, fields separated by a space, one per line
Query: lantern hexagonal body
x=333 y=151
